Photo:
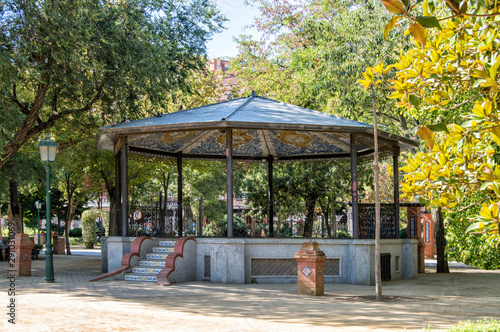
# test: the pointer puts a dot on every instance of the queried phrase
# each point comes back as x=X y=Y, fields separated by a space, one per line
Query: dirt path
x=73 y=304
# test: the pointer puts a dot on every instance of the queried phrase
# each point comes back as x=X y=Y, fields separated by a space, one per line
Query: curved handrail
x=126 y=259
x=162 y=277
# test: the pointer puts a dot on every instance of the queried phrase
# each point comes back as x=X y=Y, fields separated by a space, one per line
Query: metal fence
x=162 y=221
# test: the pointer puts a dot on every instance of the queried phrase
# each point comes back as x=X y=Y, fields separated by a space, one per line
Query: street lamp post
x=48 y=148
x=38 y=205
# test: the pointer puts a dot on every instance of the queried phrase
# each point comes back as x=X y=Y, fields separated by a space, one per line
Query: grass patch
x=491 y=325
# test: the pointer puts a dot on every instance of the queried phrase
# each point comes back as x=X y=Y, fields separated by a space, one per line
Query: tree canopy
x=313 y=52
x=66 y=58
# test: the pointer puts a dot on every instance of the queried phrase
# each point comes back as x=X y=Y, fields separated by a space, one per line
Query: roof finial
x=253 y=94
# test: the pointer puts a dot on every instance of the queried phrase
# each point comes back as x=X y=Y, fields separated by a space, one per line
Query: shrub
x=343 y=235
x=219 y=228
x=74 y=241
x=403 y=233
x=36 y=250
x=89 y=226
x=75 y=232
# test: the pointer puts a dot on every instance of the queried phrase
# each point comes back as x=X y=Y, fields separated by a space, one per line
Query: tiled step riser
x=166 y=243
x=156 y=256
x=133 y=277
x=167 y=250
x=139 y=270
x=152 y=263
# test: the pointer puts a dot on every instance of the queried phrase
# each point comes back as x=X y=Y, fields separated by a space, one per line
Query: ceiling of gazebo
x=261 y=127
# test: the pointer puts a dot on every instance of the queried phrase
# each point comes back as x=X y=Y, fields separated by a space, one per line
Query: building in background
x=228 y=78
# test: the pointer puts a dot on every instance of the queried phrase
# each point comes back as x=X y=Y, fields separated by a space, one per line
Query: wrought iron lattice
x=146 y=219
x=288 y=267
x=388 y=226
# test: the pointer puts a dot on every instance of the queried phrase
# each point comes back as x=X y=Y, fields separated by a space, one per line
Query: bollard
x=22 y=261
x=310 y=269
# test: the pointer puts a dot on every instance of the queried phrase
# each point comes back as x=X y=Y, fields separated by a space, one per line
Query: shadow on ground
x=437 y=299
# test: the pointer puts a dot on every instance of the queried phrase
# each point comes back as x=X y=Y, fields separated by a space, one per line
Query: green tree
x=65 y=58
x=312 y=54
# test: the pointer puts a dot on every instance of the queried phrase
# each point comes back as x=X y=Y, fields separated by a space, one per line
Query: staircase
x=148 y=269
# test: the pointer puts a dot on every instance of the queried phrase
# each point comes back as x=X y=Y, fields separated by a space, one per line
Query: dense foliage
x=91 y=58
x=450 y=81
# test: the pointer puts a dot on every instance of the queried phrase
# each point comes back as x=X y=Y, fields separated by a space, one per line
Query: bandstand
x=260 y=129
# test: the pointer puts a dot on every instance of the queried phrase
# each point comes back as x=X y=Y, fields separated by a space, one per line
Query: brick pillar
x=310 y=269
x=22 y=262
x=59 y=245
x=415 y=232
x=413 y=221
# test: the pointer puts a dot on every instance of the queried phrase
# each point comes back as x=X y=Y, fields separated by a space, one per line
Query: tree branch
x=23 y=107
x=470 y=205
x=471 y=15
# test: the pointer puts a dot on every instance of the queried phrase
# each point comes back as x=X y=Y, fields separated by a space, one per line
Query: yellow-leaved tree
x=450 y=82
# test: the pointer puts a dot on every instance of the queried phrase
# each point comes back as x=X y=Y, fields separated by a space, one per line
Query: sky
x=239 y=15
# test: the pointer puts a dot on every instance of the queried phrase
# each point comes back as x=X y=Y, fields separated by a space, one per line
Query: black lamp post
x=48 y=148
x=38 y=205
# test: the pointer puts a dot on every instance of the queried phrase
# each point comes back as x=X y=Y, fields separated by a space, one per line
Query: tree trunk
x=325 y=208
x=334 y=223
x=110 y=188
x=69 y=219
x=15 y=208
x=308 y=224
x=439 y=235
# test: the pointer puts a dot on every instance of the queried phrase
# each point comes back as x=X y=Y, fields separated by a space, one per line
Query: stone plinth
x=22 y=262
x=310 y=269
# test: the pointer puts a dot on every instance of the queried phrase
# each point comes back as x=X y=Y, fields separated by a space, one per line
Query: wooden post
x=179 y=193
x=354 y=188
x=229 y=181
x=124 y=187
x=270 y=160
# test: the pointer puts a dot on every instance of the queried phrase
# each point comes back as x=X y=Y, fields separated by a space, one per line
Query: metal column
x=116 y=228
x=229 y=181
x=179 y=193
x=270 y=160
x=354 y=188
x=124 y=187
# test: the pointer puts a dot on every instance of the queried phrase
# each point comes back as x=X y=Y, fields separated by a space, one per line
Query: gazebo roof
x=261 y=127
